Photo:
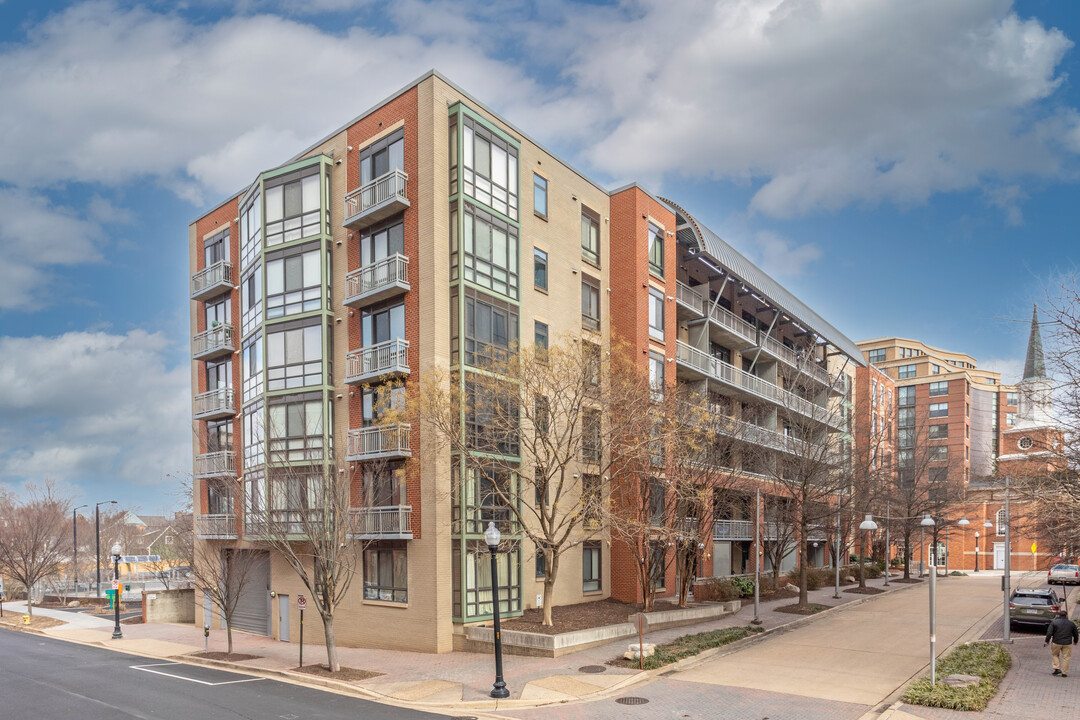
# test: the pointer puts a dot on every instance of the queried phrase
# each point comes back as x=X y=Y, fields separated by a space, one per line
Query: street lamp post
x=986 y=539
x=976 y=551
x=836 y=562
x=492 y=537
x=962 y=522
x=1007 y=578
x=868 y=525
x=97 y=538
x=75 y=546
x=928 y=521
x=888 y=543
x=116 y=633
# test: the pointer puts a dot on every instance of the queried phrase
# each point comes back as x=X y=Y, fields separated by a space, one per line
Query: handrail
x=392 y=355
x=384 y=520
x=219 y=336
x=219 y=272
x=379 y=440
x=388 y=271
x=214 y=400
x=375 y=192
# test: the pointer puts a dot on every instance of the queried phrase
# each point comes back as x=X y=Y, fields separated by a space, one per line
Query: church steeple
x=1034 y=367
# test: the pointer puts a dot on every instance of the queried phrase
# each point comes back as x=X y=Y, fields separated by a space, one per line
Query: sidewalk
x=450 y=680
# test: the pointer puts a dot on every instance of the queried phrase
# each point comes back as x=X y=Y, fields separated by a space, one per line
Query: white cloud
x=34 y=236
x=1010 y=369
x=93 y=408
x=781 y=258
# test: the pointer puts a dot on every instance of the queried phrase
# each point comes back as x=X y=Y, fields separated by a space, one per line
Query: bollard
x=206 y=638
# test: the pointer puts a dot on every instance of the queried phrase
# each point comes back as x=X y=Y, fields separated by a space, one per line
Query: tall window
x=590 y=303
x=656 y=375
x=382 y=157
x=219 y=498
x=491 y=169
x=590 y=436
x=219 y=436
x=1012 y=399
x=590 y=236
x=590 y=566
x=905 y=372
x=252 y=367
x=540 y=269
x=217 y=311
x=656 y=314
x=292 y=207
x=386 y=573
x=384 y=485
x=218 y=375
x=658 y=565
x=540 y=196
x=380 y=401
x=876 y=356
x=591 y=491
x=939 y=410
x=540 y=337
x=590 y=353
x=216 y=248
x=491 y=252
x=251 y=305
x=905 y=396
x=250 y=230
x=1010 y=419
x=1001 y=521
x=657 y=501
x=491 y=329
x=656 y=250
x=382 y=324
x=381 y=242
x=294 y=357
x=939 y=432
x=939 y=453
x=939 y=388
x=296 y=428
x=293 y=284
x=254 y=437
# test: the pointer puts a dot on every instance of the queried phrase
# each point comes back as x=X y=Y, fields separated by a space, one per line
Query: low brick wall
x=168 y=606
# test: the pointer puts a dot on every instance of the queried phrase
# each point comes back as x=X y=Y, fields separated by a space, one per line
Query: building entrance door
x=999 y=556
x=283 y=618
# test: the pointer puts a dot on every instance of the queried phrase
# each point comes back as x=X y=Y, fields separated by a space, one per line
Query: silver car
x=1063 y=575
x=1033 y=606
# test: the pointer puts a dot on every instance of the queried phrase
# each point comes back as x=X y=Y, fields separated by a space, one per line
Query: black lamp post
x=116 y=634
x=75 y=546
x=492 y=537
x=97 y=538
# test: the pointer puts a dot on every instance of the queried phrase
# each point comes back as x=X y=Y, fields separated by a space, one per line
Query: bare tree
x=222 y=575
x=779 y=529
x=34 y=542
x=534 y=429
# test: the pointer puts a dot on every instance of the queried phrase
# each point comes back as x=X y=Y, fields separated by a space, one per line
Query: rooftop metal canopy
x=721 y=253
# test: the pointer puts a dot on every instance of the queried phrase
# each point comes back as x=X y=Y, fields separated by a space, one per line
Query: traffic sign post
x=301 y=603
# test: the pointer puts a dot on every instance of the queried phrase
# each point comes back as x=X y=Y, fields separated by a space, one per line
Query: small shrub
x=988 y=661
x=768 y=584
x=717 y=590
x=688 y=645
x=745 y=586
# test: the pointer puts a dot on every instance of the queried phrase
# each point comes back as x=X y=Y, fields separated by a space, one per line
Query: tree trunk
x=29 y=602
x=331 y=644
x=804 y=562
x=228 y=632
x=549 y=588
x=907 y=554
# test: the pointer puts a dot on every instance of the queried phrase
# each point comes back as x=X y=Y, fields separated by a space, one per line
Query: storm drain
x=631 y=700
x=592 y=669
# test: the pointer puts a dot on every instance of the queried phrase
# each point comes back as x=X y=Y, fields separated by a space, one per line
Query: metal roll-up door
x=252 y=611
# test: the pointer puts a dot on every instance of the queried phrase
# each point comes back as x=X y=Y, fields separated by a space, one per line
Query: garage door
x=253 y=607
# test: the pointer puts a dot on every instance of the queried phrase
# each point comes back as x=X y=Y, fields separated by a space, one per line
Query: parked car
x=1063 y=575
x=1033 y=606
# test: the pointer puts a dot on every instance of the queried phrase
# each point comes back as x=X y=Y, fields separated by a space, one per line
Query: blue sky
x=905 y=168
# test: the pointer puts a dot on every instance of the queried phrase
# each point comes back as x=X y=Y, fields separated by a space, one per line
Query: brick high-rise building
x=422 y=234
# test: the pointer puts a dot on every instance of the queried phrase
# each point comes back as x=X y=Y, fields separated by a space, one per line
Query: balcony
x=380 y=280
x=371 y=363
x=689 y=298
x=733 y=530
x=214 y=405
x=216 y=464
x=377 y=200
x=213 y=343
x=745 y=384
x=215 y=527
x=743 y=530
x=381 y=523
x=383 y=441
x=212 y=281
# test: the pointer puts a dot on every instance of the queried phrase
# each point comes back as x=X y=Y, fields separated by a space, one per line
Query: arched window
x=1001 y=521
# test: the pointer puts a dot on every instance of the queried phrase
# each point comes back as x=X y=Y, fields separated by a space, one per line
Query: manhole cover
x=592 y=669
x=631 y=700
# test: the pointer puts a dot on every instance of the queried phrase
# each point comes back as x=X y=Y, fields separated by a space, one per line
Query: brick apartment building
x=424 y=229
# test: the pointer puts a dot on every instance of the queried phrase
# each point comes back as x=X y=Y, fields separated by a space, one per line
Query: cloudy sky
x=906 y=168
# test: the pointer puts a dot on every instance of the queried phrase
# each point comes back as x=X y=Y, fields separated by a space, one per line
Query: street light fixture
x=986 y=536
x=97 y=538
x=492 y=536
x=926 y=522
x=116 y=633
x=962 y=522
x=75 y=546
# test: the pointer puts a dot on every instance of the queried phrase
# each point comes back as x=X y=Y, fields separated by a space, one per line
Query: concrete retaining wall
x=169 y=606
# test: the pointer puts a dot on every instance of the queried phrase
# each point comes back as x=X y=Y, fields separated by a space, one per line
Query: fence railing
x=390 y=271
x=220 y=273
x=215 y=526
x=213 y=402
x=378 y=521
x=386 y=357
x=384 y=440
x=216 y=464
x=393 y=184
x=217 y=338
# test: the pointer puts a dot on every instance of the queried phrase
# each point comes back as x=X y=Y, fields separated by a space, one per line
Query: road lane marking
x=146 y=668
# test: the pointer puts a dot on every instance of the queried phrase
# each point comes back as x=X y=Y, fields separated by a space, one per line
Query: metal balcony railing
x=210 y=343
x=216 y=464
x=731 y=375
x=214 y=404
x=390 y=357
x=685 y=295
x=377 y=442
x=212 y=280
x=377 y=281
x=394 y=522
x=377 y=199
x=215 y=526
x=733 y=530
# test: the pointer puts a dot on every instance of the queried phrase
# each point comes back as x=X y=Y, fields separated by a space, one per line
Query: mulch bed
x=865 y=591
x=231 y=657
x=808 y=609
x=132 y=621
x=38 y=622
x=906 y=581
x=347 y=674
x=573 y=617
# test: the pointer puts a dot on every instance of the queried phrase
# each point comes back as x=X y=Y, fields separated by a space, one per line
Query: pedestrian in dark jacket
x=1061 y=635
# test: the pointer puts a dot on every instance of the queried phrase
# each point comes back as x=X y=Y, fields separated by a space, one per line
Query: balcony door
x=382 y=243
x=383 y=324
x=382 y=157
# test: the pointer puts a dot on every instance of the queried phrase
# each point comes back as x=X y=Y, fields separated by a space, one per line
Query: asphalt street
x=45 y=678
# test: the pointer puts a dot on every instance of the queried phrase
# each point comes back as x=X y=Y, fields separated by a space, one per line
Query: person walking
x=1061 y=635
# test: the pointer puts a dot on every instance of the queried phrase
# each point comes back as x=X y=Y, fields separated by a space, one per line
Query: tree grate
x=592 y=669
x=631 y=700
